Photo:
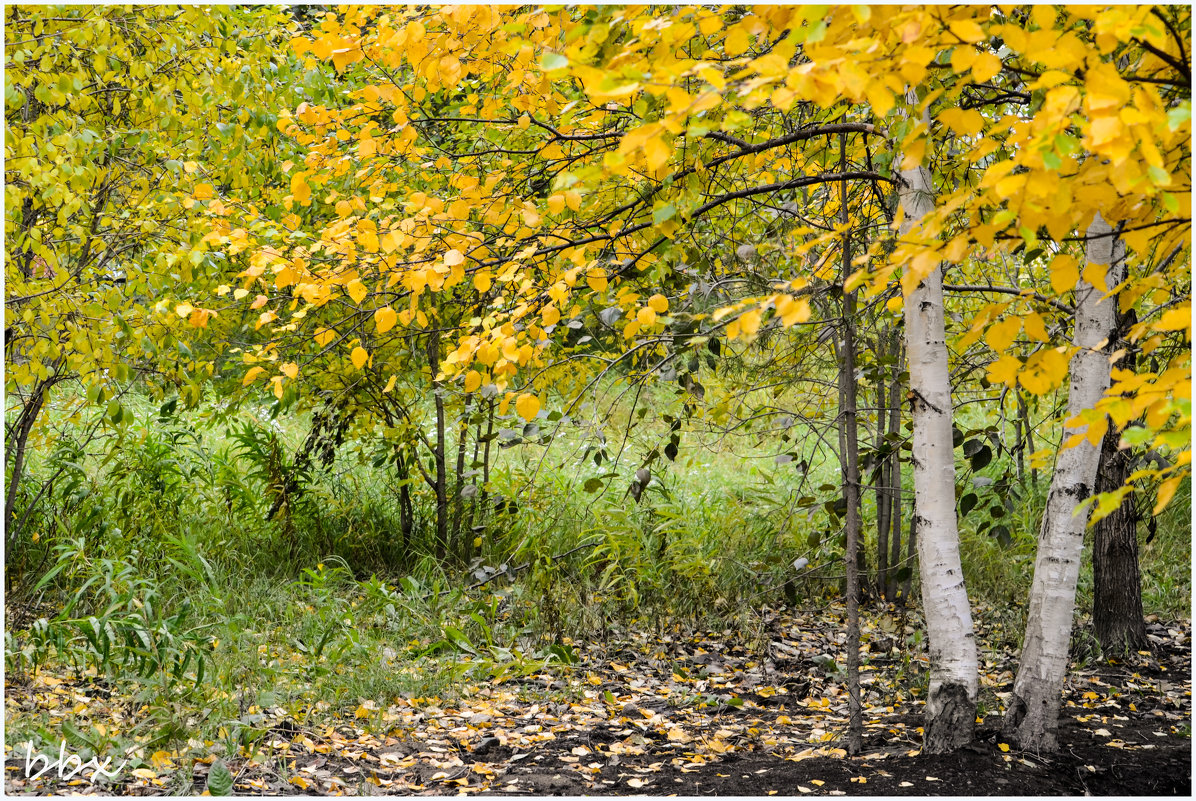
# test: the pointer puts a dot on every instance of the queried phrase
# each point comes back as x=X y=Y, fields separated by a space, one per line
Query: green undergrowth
x=152 y=561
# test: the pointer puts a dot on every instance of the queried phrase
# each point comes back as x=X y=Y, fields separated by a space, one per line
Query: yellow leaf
x=793 y=310
x=1004 y=747
x=659 y=303
x=391 y=383
x=184 y=309
x=290 y=370
x=749 y=323
x=646 y=316
x=985 y=67
x=1000 y=335
x=356 y=290
x=967 y=30
x=481 y=281
x=202 y=192
x=556 y=204
x=1004 y=370
x=385 y=319
x=323 y=336
x=361 y=712
x=573 y=200
x=550 y=315
x=454 y=257
x=1178 y=319
x=359 y=357
x=657 y=151
x=1095 y=274
x=145 y=773
x=596 y=279
x=473 y=380
x=1035 y=327
x=1065 y=273
x=527 y=406
x=300 y=782
x=253 y=373
x=737 y=41
x=1166 y=491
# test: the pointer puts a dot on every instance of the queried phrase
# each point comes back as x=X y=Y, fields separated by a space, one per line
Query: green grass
x=325 y=605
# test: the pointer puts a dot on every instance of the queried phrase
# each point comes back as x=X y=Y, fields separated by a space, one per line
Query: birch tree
x=951 y=701
x=1033 y=713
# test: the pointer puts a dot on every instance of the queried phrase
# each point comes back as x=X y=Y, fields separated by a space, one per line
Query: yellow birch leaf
x=473 y=380
x=359 y=357
x=556 y=204
x=454 y=257
x=646 y=316
x=1000 y=335
x=659 y=303
x=385 y=319
x=527 y=406
x=290 y=370
x=985 y=67
x=1166 y=492
x=1004 y=370
x=657 y=152
x=1034 y=327
x=1064 y=273
x=253 y=373
x=1095 y=274
x=356 y=290
x=596 y=279
x=391 y=383
x=323 y=336
x=481 y=281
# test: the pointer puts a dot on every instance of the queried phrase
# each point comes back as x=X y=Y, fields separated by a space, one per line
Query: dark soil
x=1085 y=765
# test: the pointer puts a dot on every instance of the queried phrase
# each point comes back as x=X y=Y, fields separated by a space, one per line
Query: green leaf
x=967 y=503
x=664 y=213
x=553 y=61
x=220 y=779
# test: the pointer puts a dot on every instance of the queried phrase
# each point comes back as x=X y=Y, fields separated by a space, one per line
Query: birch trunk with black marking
x=954 y=676
x=1032 y=718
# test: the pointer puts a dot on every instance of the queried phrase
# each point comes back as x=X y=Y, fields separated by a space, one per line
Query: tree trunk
x=895 y=471
x=1116 y=581
x=884 y=495
x=954 y=676
x=20 y=438
x=851 y=486
x=438 y=454
x=461 y=546
x=1033 y=714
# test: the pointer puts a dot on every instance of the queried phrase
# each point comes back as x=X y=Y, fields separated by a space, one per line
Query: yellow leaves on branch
x=385 y=319
x=359 y=357
x=527 y=406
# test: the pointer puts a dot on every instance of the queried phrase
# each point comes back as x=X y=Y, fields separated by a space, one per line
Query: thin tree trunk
x=884 y=494
x=438 y=454
x=23 y=426
x=954 y=665
x=1033 y=714
x=851 y=485
x=895 y=469
x=460 y=546
x=1028 y=433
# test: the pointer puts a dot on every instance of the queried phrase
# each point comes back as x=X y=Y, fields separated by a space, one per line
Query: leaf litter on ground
x=649 y=712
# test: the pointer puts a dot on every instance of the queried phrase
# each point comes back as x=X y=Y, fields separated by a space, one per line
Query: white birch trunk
x=954 y=667
x=1033 y=714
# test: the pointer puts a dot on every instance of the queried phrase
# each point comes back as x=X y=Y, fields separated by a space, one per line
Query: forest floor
x=659 y=713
